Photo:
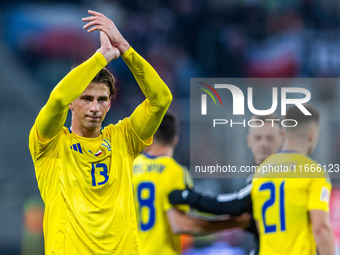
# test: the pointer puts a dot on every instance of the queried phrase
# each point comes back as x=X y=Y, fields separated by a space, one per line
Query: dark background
x=182 y=39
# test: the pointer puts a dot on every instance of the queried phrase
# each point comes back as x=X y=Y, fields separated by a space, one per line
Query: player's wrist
x=109 y=54
x=123 y=46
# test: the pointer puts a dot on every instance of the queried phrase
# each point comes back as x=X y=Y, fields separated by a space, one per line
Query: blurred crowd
x=181 y=39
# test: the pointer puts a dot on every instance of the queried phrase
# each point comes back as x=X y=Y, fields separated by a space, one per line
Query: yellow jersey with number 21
x=281 y=205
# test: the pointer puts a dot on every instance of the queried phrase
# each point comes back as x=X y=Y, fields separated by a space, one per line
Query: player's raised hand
x=99 y=21
x=109 y=52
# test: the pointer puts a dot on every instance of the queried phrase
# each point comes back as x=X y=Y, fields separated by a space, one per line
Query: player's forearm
x=206 y=227
x=195 y=226
x=147 y=117
x=182 y=224
x=53 y=115
x=232 y=203
x=324 y=240
x=234 y=207
x=76 y=81
x=148 y=79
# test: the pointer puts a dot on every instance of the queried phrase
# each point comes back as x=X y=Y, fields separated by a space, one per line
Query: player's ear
x=176 y=139
x=311 y=133
x=282 y=136
x=70 y=106
x=109 y=104
x=283 y=130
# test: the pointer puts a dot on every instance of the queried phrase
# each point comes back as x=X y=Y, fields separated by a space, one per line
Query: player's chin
x=264 y=156
x=92 y=125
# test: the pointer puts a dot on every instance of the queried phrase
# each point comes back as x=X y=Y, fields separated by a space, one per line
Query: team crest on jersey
x=324 y=195
x=107 y=144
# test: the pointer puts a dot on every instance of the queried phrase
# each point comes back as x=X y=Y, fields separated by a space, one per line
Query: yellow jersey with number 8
x=153 y=180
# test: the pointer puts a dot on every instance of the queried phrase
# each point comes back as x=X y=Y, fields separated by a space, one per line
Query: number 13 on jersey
x=271 y=202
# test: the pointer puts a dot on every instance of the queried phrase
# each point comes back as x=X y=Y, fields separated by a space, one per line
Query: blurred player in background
x=84 y=172
x=292 y=213
x=155 y=175
x=262 y=141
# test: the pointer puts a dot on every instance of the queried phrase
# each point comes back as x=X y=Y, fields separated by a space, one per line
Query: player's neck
x=156 y=150
x=83 y=132
x=295 y=145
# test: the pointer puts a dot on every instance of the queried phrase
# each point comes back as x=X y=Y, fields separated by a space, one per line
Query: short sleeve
x=178 y=177
x=319 y=194
x=255 y=201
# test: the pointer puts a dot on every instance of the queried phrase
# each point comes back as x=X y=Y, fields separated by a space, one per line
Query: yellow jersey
x=281 y=205
x=86 y=183
x=153 y=179
x=87 y=189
